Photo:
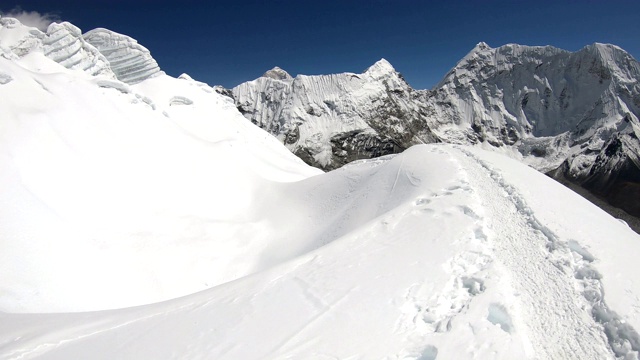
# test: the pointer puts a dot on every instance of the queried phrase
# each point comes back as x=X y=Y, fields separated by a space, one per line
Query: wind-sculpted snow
x=130 y=61
x=98 y=52
x=64 y=44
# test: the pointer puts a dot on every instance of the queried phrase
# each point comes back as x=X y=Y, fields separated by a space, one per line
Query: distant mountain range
x=573 y=115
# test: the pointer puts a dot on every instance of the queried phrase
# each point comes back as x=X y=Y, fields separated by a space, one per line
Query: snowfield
x=153 y=221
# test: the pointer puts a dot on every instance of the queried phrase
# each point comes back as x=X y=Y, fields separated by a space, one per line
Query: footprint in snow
x=498 y=315
x=430 y=352
x=5 y=78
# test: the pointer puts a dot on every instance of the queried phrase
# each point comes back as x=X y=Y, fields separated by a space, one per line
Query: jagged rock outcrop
x=130 y=61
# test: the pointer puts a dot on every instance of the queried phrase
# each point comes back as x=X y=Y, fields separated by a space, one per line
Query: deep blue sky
x=231 y=41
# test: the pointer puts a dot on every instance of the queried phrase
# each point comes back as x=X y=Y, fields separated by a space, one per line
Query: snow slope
x=154 y=221
x=463 y=262
x=116 y=188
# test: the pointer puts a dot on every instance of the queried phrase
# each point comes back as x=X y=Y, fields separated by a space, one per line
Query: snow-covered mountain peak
x=277 y=74
x=481 y=46
x=604 y=48
x=130 y=61
x=382 y=68
x=613 y=62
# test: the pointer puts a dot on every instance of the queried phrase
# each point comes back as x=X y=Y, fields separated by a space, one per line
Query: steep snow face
x=65 y=45
x=330 y=120
x=575 y=114
x=515 y=91
x=130 y=61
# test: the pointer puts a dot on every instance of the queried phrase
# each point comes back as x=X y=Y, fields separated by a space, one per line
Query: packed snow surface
x=153 y=221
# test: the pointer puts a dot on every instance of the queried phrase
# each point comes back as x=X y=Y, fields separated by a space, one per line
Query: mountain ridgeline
x=573 y=115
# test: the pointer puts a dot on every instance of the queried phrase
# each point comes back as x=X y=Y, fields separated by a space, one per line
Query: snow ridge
x=572 y=259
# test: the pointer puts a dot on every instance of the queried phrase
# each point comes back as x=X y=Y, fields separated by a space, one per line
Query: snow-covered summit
x=381 y=69
x=277 y=74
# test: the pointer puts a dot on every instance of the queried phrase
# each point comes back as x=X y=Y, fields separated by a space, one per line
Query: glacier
x=151 y=219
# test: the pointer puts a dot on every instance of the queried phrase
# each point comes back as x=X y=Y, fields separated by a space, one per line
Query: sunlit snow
x=153 y=221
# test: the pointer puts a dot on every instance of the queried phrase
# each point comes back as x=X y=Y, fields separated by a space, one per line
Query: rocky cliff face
x=570 y=114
